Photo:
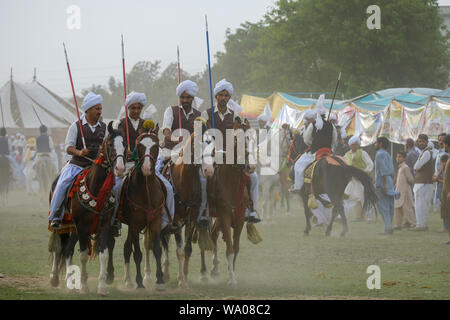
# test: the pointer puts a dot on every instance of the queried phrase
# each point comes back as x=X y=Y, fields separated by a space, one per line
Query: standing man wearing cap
x=94 y=132
x=357 y=158
x=186 y=91
x=135 y=102
x=225 y=112
x=318 y=135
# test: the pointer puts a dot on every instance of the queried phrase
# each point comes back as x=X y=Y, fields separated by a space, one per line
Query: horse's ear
x=156 y=130
x=110 y=128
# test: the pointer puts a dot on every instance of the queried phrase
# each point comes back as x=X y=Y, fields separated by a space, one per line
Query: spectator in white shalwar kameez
x=423 y=187
x=360 y=159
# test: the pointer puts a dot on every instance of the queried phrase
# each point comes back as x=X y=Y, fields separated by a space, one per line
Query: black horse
x=332 y=180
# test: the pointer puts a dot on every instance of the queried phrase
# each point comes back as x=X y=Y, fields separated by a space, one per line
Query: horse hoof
x=160 y=287
x=204 y=278
x=148 y=282
x=232 y=284
x=110 y=279
x=215 y=273
x=84 y=289
x=54 y=281
x=102 y=292
x=129 y=285
x=140 y=287
x=182 y=284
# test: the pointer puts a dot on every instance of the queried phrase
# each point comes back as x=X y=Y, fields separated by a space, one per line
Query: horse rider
x=341 y=147
x=319 y=134
x=135 y=102
x=181 y=116
x=94 y=132
x=44 y=144
x=224 y=117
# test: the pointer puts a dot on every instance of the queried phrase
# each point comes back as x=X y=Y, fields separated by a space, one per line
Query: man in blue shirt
x=384 y=182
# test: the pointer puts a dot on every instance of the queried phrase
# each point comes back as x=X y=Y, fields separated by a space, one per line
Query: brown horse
x=184 y=177
x=45 y=172
x=142 y=202
x=229 y=200
x=91 y=208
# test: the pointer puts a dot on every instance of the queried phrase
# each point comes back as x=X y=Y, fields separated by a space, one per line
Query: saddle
x=104 y=202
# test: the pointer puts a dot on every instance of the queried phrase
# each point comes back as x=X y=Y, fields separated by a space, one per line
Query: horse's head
x=250 y=142
x=147 y=145
x=114 y=148
x=208 y=149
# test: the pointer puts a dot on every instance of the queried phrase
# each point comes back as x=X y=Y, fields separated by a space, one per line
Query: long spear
x=334 y=96
x=179 y=80
x=75 y=98
x=125 y=95
x=3 y=118
x=209 y=69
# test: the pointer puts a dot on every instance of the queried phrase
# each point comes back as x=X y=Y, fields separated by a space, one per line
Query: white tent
x=25 y=106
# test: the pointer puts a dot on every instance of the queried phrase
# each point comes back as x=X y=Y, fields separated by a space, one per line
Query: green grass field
x=285 y=265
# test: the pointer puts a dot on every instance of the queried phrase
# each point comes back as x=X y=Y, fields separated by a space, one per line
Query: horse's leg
x=147 y=271
x=137 y=255
x=333 y=216
x=127 y=249
x=214 y=237
x=236 y=239
x=110 y=275
x=226 y=229
x=102 y=288
x=188 y=233
x=68 y=252
x=180 y=256
x=340 y=208
x=56 y=257
x=308 y=213
x=165 y=239
x=157 y=252
x=84 y=256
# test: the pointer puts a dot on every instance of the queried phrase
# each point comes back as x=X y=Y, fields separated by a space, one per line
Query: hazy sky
x=32 y=33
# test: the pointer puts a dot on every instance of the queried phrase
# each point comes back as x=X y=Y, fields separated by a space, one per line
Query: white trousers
x=322 y=214
x=299 y=168
x=423 y=194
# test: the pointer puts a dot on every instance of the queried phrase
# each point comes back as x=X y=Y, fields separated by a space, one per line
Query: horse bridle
x=149 y=155
x=104 y=150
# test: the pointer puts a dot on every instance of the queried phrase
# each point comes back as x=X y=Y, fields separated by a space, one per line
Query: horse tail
x=370 y=195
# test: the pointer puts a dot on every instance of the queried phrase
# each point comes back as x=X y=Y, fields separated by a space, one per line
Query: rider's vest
x=222 y=125
x=133 y=133
x=188 y=123
x=93 y=143
x=357 y=161
x=43 y=144
x=4 y=146
x=322 y=138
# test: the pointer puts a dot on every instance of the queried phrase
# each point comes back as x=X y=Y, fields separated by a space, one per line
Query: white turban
x=354 y=139
x=309 y=114
x=91 y=100
x=224 y=85
x=149 y=112
x=136 y=97
x=320 y=110
x=188 y=86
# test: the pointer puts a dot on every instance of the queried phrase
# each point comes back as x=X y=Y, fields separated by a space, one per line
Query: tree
x=302 y=45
